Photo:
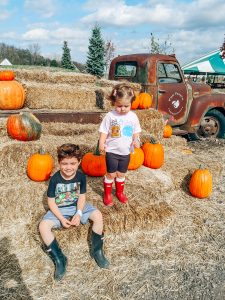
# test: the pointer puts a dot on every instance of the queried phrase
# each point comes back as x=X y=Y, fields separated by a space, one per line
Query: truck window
x=168 y=73
x=126 y=69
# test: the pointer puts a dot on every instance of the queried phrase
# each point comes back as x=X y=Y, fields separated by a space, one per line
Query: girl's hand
x=136 y=143
x=75 y=220
x=102 y=148
x=66 y=223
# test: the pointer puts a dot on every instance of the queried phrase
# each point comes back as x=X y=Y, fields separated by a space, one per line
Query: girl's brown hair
x=122 y=91
x=69 y=151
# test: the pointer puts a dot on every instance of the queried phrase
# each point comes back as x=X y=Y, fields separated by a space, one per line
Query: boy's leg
x=52 y=248
x=97 y=239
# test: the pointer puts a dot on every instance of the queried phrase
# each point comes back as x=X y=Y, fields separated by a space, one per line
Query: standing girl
x=119 y=134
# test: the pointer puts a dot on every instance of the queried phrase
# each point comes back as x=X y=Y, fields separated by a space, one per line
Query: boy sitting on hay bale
x=66 y=201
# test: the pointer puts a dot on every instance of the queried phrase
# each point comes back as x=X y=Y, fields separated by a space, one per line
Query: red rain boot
x=119 y=191
x=108 y=194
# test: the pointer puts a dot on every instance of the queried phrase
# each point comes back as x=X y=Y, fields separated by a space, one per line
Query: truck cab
x=193 y=108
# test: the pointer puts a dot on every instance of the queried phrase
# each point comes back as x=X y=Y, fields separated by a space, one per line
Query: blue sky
x=194 y=27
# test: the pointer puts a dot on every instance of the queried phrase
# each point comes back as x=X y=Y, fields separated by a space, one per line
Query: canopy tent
x=5 y=62
x=211 y=63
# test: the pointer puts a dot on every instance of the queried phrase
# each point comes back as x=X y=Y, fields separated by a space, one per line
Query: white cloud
x=170 y=14
x=4 y=15
x=4 y=2
x=38 y=34
x=46 y=8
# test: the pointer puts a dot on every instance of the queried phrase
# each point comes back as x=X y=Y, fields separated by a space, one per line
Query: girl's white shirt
x=120 y=129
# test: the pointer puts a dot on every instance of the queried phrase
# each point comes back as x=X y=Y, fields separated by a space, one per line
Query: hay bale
x=151 y=123
x=104 y=90
x=45 y=76
x=59 y=96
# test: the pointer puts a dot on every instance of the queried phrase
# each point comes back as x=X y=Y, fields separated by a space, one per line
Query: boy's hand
x=66 y=223
x=75 y=220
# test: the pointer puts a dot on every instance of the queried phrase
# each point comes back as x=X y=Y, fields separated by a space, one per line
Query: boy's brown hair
x=122 y=91
x=69 y=151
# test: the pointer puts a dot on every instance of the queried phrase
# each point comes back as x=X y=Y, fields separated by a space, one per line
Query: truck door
x=172 y=92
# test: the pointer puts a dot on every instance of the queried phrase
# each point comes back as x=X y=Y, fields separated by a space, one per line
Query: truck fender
x=200 y=106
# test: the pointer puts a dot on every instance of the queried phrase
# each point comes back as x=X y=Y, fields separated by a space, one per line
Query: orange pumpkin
x=168 y=130
x=7 y=75
x=200 y=185
x=94 y=164
x=12 y=95
x=145 y=100
x=40 y=166
x=136 y=159
x=153 y=154
x=135 y=103
x=24 y=127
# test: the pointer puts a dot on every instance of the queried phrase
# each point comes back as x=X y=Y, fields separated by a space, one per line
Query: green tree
x=66 y=58
x=164 y=48
x=95 y=58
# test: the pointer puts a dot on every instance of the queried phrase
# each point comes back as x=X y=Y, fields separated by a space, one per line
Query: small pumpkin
x=200 y=185
x=7 y=75
x=24 y=127
x=40 y=166
x=94 y=164
x=168 y=130
x=136 y=159
x=12 y=95
x=145 y=100
x=135 y=103
x=153 y=154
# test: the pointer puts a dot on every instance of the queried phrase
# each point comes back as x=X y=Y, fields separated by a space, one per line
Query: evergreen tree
x=66 y=58
x=95 y=59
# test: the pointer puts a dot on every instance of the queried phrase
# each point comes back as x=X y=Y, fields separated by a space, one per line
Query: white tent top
x=211 y=63
x=5 y=62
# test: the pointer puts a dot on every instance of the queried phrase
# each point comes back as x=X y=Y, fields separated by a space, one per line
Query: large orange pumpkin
x=135 y=103
x=136 y=159
x=153 y=154
x=24 y=127
x=94 y=164
x=40 y=166
x=168 y=130
x=145 y=100
x=12 y=95
x=7 y=75
x=200 y=185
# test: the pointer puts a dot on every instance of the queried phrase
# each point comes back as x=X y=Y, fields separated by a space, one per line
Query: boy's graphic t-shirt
x=119 y=129
x=66 y=192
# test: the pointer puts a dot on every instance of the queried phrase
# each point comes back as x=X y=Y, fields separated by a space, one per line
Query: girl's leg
x=108 y=182
x=97 y=239
x=120 y=181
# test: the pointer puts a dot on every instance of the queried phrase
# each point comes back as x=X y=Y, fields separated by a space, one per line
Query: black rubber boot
x=97 y=251
x=58 y=258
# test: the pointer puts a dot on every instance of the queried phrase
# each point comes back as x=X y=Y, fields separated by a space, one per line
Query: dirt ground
x=183 y=258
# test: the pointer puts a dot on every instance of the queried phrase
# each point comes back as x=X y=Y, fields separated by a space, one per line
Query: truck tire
x=212 y=126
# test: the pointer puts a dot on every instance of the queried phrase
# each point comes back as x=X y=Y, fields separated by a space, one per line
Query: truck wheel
x=212 y=126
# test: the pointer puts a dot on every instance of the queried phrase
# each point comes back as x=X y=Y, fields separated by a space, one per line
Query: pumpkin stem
x=97 y=152
x=42 y=151
x=153 y=140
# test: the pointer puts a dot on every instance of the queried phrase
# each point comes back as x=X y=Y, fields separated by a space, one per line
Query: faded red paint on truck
x=187 y=102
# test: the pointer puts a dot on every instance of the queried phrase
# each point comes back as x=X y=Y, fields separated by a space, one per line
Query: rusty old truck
x=194 y=109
